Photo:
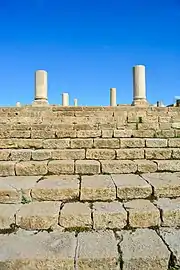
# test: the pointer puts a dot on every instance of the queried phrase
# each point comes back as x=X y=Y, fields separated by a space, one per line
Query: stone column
x=113 y=97
x=75 y=102
x=18 y=104
x=65 y=99
x=139 y=85
x=41 y=87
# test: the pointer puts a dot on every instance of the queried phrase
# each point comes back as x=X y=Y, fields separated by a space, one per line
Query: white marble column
x=113 y=97
x=41 y=85
x=139 y=85
x=65 y=99
x=75 y=102
x=18 y=104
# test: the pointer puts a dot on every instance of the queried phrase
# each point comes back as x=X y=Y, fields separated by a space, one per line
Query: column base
x=40 y=103
x=140 y=103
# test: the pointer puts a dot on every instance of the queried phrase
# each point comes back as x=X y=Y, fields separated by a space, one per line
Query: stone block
x=130 y=186
x=143 y=249
x=100 y=154
x=43 y=134
x=174 y=142
x=143 y=133
x=142 y=213
x=31 y=168
x=176 y=153
x=145 y=166
x=132 y=143
x=170 y=133
x=168 y=165
x=81 y=143
x=158 y=153
x=42 y=251
x=156 y=143
x=97 y=251
x=88 y=133
x=41 y=154
x=97 y=187
x=164 y=184
x=68 y=154
x=87 y=167
x=75 y=215
x=7 y=168
x=4 y=154
x=107 y=133
x=21 y=155
x=56 y=143
x=61 y=167
x=118 y=133
x=133 y=153
x=28 y=143
x=7 y=215
x=118 y=166
x=38 y=215
x=170 y=211
x=56 y=188
x=110 y=215
x=106 y=143
x=65 y=133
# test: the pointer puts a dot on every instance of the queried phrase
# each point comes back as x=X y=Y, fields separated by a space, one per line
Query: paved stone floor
x=122 y=221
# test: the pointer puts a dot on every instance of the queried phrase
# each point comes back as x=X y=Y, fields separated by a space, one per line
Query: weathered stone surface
x=68 y=154
x=42 y=251
x=168 y=165
x=7 y=168
x=176 y=153
x=107 y=133
x=31 y=168
x=136 y=153
x=118 y=166
x=109 y=215
x=21 y=155
x=43 y=134
x=7 y=215
x=132 y=143
x=87 y=166
x=56 y=188
x=130 y=186
x=143 y=249
x=75 y=215
x=170 y=211
x=106 y=143
x=145 y=166
x=97 y=251
x=88 y=133
x=158 y=153
x=156 y=142
x=66 y=133
x=4 y=154
x=118 y=133
x=142 y=213
x=56 y=143
x=61 y=167
x=81 y=143
x=97 y=187
x=100 y=154
x=175 y=142
x=38 y=215
x=16 y=189
x=164 y=184
x=171 y=237
x=41 y=154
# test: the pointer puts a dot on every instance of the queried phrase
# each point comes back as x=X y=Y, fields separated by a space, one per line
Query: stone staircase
x=89 y=188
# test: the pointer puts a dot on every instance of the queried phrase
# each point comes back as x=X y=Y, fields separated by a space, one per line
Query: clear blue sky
x=88 y=46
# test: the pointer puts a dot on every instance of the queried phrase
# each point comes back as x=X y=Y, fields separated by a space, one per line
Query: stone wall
x=89 y=140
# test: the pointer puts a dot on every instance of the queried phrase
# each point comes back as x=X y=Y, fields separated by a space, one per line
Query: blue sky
x=88 y=47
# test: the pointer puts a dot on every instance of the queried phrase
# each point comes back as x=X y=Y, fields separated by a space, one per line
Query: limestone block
x=158 y=153
x=120 y=133
x=146 y=166
x=43 y=134
x=38 y=215
x=56 y=188
x=31 y=168
x=7 y=168
x=68 y=154
x=143 y=249
x=133 y=153
x=170 y=133
x=156 y=142
x=61 y=167
x=42 y=251
x=148 y=125
x=107 y=133
x=118 y=166
x=81 y=143
x=87 y=166
x=16 y=189
x=174 y=142
x=170 y=210
x=4 y=154
x=164 y=184
x=66 y=133
x=142 y=213
x=7 y=133
x=88 y=133
x=171 y=237
x=130 y=186
x=56 y=143
x=100 y=154
x=21 y=155
x=106 y=143
x=28 y=143
x=41 y=154
x=97 y=251
x=8 y=143
x=132 y=143
x=110 y=215
x=7 y=215
x=75 y=215
x=168 y=165
x=97 y=187
x=149 y=133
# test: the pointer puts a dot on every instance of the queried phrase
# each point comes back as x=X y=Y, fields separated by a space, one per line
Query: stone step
x=141 y=249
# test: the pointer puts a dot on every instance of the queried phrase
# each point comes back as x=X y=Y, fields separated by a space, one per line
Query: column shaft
x=113 y=97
